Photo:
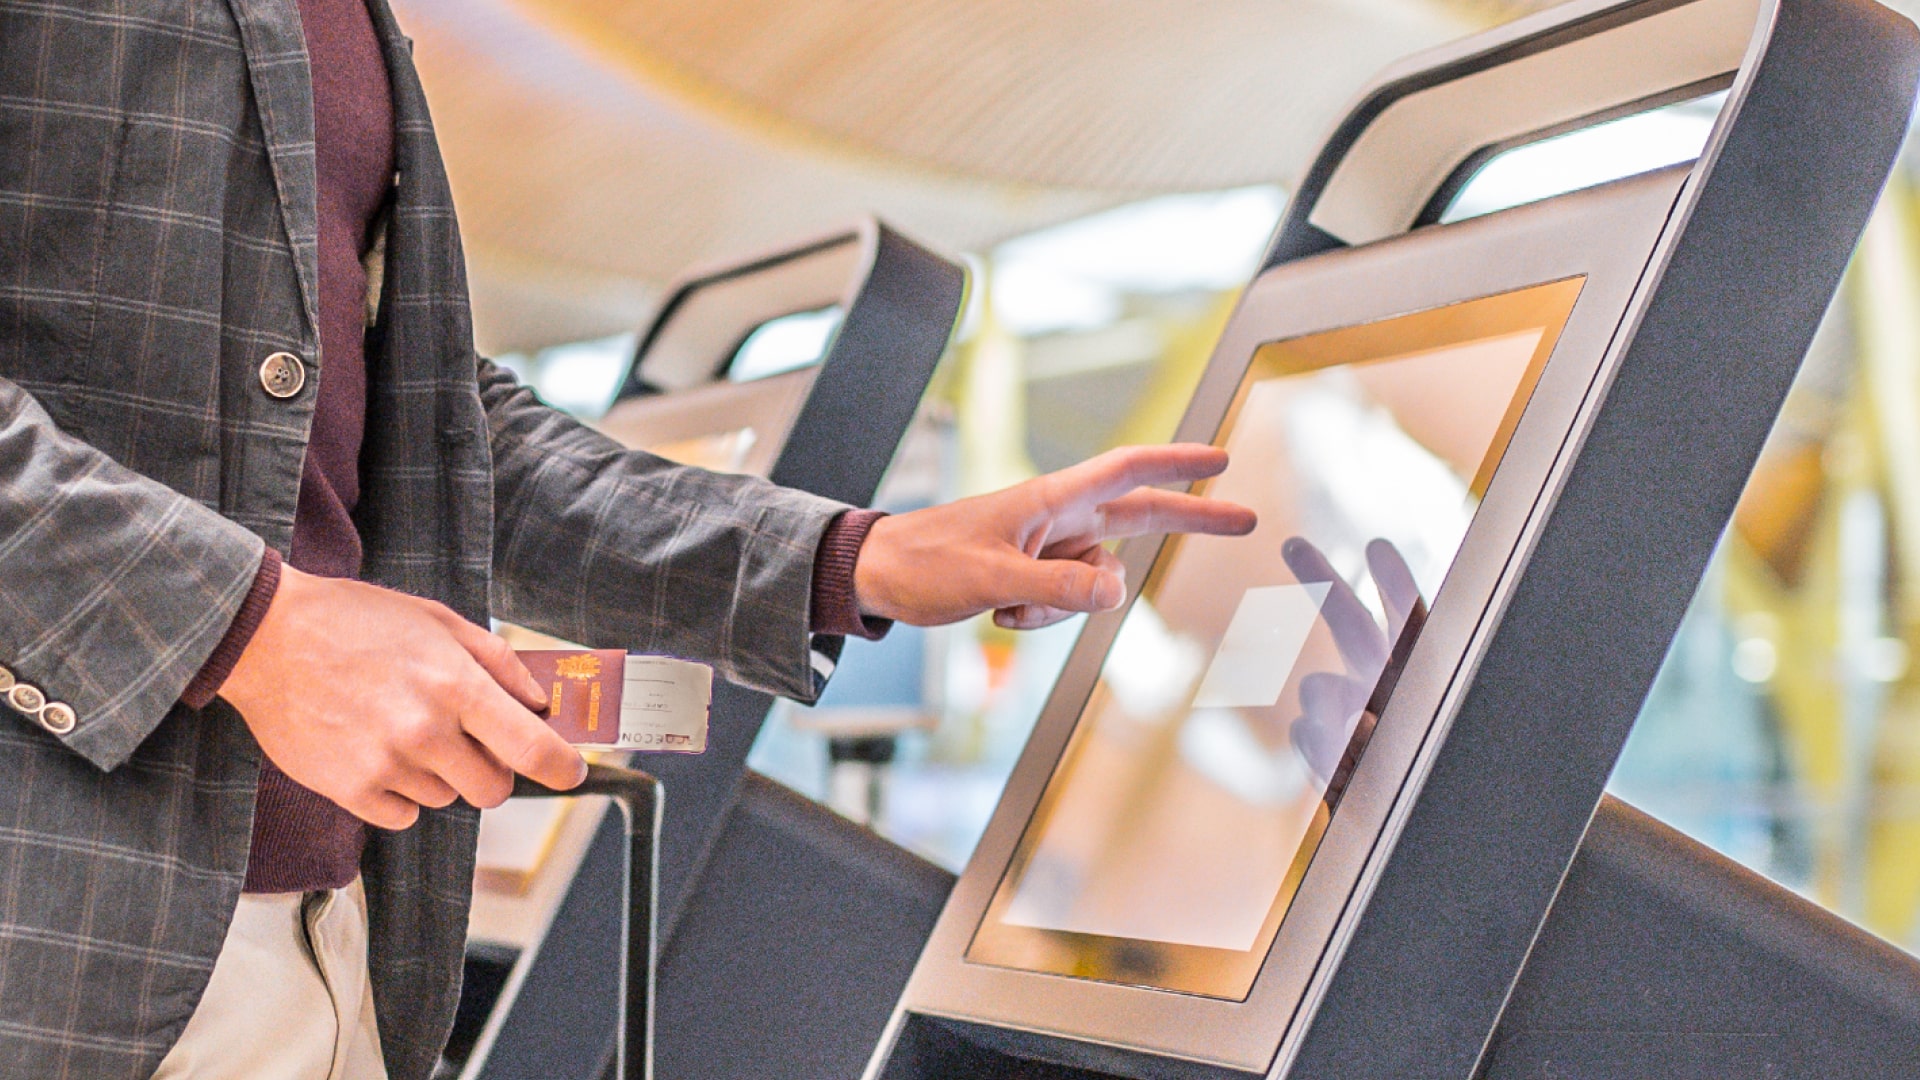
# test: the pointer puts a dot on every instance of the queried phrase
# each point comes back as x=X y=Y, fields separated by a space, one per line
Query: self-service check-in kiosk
x=1321 y=802
x=805 y=366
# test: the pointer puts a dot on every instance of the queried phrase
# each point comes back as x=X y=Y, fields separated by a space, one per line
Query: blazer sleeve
x=615 y=548
x=114 y=588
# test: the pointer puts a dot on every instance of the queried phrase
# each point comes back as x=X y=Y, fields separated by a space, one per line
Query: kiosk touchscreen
x=1240 y=690
x=1303 y=807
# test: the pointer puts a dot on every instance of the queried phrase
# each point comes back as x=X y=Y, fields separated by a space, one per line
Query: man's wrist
x=213 y=674
x=835 y=601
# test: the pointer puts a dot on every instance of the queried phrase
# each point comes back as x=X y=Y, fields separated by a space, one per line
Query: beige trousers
x=289 y=998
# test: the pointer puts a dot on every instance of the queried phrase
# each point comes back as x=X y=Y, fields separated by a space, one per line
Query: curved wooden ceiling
x=600 y=148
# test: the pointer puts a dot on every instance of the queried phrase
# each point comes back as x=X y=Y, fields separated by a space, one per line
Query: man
x=258 y=499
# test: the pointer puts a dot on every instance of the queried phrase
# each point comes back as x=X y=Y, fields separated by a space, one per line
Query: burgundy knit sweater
x=301 y=840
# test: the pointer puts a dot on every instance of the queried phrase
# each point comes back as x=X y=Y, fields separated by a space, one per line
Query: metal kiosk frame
x=1477 y=909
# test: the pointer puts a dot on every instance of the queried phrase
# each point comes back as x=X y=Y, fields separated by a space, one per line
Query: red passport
x=583 y=691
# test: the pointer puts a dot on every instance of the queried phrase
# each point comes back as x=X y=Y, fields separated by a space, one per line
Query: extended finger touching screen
x=1245 y=680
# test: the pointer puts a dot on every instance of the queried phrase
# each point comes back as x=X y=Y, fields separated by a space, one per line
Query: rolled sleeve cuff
x=835 y=608
x=213 y=674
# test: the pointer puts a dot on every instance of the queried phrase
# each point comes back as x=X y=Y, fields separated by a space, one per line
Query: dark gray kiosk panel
x=1326 y=801
x=726 y=378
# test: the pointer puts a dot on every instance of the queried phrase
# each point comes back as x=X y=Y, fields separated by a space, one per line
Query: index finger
x=1156 y=511
x=520 y=740
x=1117 y=472
x=494 y=655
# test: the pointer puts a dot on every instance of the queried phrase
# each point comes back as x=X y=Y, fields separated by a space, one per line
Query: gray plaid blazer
x=157 y=242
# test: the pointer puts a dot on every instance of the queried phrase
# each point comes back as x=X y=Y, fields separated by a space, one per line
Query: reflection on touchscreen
x=1338 y=709
x=1235 y=702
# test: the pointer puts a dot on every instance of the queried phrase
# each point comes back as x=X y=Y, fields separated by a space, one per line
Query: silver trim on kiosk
x=1703 y=286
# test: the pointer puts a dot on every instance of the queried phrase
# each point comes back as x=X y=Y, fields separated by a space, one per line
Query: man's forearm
x=835 y=608
x=611 y=547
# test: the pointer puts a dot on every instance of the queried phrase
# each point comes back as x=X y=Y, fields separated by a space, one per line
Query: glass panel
x=1589 y=157
x=785 y=344
x=1244 y=683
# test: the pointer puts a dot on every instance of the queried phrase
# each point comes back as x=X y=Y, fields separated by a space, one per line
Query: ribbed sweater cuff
x=836 y=609
x=213 y=674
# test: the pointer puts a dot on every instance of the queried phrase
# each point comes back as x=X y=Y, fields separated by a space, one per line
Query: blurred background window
x=1631 y=145
x=788 y=343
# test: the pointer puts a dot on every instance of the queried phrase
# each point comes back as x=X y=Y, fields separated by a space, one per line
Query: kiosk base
x=934 y=1048
x=1664 y=960
x=791 y=950
x=1661 y=960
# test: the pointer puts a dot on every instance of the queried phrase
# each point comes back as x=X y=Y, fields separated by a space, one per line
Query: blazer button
x=27 y=699
x=58 y=717
x=282 y=375
x=6 y=680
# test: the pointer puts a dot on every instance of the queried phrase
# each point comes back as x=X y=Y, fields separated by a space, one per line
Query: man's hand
x=385 y=703
x=1031 y=554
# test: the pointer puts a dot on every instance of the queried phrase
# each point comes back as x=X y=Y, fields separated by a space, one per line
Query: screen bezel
x=1225 y=973
x=1607 y=234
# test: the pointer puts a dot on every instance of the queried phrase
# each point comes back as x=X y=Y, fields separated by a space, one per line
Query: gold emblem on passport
x=578 y=697
x=581 y=667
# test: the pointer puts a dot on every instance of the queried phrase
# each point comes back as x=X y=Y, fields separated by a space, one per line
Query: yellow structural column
x=1156 y=415
x=1886 y=293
